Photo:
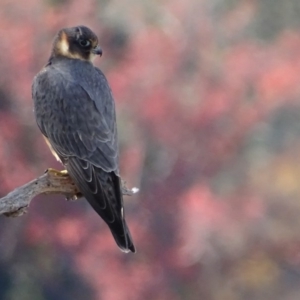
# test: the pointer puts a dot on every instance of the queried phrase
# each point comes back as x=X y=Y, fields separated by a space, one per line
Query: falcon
x=75 y=111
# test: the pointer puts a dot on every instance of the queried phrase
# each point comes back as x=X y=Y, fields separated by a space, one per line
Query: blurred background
x=208 y=105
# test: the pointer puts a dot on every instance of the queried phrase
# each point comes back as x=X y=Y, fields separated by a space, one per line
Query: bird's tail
x=103 y=191
x=122 y=236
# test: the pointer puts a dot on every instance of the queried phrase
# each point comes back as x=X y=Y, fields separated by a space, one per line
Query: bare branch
x=52 y=182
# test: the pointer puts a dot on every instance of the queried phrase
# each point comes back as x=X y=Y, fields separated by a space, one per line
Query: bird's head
x=76 y=42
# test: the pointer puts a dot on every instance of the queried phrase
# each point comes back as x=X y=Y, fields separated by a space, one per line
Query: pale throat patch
x=92 y=57
x=78 y=56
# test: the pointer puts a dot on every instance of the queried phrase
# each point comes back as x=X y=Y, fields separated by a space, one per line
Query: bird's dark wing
x=78 y=119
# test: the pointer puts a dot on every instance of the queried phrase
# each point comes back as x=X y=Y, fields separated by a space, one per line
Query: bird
x=75 y=111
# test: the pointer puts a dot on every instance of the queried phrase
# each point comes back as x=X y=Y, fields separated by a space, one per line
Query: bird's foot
x=64 y=173
x=55 y=172
x=74 y=197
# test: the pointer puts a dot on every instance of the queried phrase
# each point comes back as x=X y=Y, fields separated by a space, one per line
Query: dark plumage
x=74 y=109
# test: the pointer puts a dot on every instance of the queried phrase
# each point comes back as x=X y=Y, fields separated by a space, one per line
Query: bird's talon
x=73 y=197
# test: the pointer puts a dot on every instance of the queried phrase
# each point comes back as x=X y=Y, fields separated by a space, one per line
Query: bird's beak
x=97 y=51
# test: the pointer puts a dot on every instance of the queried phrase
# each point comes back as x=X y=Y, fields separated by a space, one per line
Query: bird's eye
x=84 y=43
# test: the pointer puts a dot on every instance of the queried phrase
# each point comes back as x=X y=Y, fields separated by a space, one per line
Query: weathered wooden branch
x=51 y=182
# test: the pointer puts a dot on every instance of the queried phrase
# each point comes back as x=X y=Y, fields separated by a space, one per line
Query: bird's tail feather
x=103 y=192
x=122 y=237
